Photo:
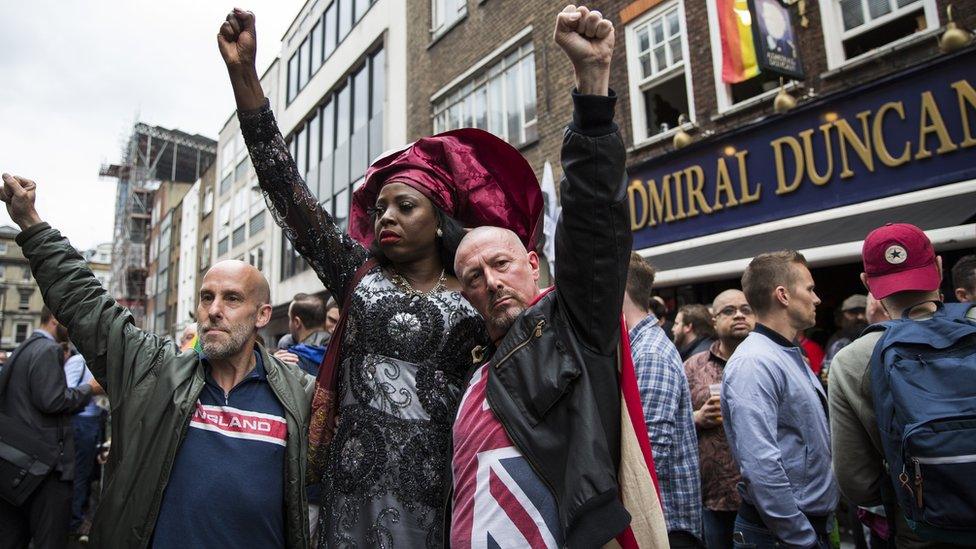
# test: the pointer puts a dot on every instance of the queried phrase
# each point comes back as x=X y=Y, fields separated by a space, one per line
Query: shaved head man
x=234 y=305
x=195 y=435
x=543 y=397
x=733 y=319
x=498 y=276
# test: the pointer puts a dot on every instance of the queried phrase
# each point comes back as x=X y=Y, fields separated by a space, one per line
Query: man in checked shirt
x=667 y=409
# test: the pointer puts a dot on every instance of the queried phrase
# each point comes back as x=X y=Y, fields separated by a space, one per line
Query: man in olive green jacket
x=207 y=450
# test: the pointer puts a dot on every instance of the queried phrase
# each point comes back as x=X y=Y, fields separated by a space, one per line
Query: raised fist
x=585 y=36
x=18 y=194
x=237 y=39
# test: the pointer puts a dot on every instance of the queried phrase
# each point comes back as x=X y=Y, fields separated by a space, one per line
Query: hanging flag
x=738 y=49
x=639 y=487
x=550 y=217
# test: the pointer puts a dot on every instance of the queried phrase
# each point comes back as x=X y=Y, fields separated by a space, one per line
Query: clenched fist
x=237 y=39
x=587 y=39
x=18 y=194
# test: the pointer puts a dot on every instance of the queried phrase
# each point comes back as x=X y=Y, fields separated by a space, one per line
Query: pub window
x=500 y=99
x=853 y=28
x=660 y=84
x=761 y=85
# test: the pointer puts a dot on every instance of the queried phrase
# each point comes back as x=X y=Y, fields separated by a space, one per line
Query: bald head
x=486 y=236
x=726 y=297
x=234 y=305
x=498 y=276
x=733 y=318
x=251 y=278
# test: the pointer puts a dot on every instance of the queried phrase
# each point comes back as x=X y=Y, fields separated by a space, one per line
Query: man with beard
x=536 y=439
x=774 y=411
x=734 y=319
x=208 y=450
x=852 y=322
x=693 y=330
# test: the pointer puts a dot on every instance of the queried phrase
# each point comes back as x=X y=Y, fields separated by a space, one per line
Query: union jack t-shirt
x=499 y=501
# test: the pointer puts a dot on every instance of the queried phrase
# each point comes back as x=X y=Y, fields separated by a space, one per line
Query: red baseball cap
x=898 y=258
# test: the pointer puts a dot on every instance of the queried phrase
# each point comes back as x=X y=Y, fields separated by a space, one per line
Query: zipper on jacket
x=536 y=333
x=158 y=500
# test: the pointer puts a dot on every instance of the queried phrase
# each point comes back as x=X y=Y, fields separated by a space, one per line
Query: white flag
x=550 y=216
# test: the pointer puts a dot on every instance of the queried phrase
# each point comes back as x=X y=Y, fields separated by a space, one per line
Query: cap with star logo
x=899 y=257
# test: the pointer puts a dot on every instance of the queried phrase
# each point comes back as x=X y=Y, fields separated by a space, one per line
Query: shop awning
x=949 y=220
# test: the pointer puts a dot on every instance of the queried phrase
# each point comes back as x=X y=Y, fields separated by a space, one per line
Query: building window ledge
x=660 y=137
x=902 y=44
x=752 y=102
x=443 y=31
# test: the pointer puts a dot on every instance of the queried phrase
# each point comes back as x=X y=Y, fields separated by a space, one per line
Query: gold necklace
x=404 y=285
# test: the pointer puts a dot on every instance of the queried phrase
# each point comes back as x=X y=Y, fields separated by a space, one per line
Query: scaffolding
x=151 y=155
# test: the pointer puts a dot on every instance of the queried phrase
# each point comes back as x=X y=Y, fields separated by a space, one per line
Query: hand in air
x=18 y=194
x=237 y=39
x=585 y=36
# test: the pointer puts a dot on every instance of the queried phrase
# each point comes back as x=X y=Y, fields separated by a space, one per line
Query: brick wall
x=489 y=23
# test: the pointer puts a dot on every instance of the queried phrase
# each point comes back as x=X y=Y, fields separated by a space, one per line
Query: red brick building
x=493 y=64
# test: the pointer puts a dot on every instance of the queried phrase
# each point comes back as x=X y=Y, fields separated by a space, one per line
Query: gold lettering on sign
x=745 y=196
x=723 y=184
x=812 y=174
x=660 y=202
x=777 y=144
x=930 y=121
x=635 y=188
x=679 y=196
x=695 y=181
x=861 y=145
x=877 y=135
x=967 y=96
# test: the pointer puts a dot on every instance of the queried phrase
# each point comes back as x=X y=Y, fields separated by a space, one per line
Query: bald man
x=542 y=408
x=208 y=450
x=733 y=320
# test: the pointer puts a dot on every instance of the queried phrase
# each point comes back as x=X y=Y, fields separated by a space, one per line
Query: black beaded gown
x=404 y=360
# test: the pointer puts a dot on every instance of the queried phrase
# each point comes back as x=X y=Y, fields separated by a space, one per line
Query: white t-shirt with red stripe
x=499 y=500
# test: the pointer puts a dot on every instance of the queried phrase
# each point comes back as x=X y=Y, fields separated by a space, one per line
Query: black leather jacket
x=553 y=380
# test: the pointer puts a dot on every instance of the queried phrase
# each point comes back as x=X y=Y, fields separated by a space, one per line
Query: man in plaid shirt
x=667 y=409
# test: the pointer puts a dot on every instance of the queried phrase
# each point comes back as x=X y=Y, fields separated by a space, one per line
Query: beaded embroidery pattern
x=404 y=361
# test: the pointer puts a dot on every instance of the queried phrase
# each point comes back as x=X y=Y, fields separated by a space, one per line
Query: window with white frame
x=763 y=85
x=208 y=203
x=240 y=204
x=660 y=82
x=443 y=14
x=227 y=157
x=856 y=27
x=256 y=257
x=501 y=99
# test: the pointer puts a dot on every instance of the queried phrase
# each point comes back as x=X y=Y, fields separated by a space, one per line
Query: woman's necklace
x=404 y=285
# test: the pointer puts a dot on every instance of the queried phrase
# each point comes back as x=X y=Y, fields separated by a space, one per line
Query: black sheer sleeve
x=331 y=252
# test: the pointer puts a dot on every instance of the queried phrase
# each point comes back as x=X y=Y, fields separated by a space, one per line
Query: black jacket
x=552 y=381
x=37 y=395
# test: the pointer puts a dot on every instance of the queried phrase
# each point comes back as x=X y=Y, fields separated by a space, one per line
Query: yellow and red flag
x=738 y=50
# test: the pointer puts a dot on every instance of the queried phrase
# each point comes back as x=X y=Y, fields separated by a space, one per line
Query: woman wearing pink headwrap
x=387 y=392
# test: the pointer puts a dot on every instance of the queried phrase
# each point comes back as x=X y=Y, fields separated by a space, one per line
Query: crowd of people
x=440 y=397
